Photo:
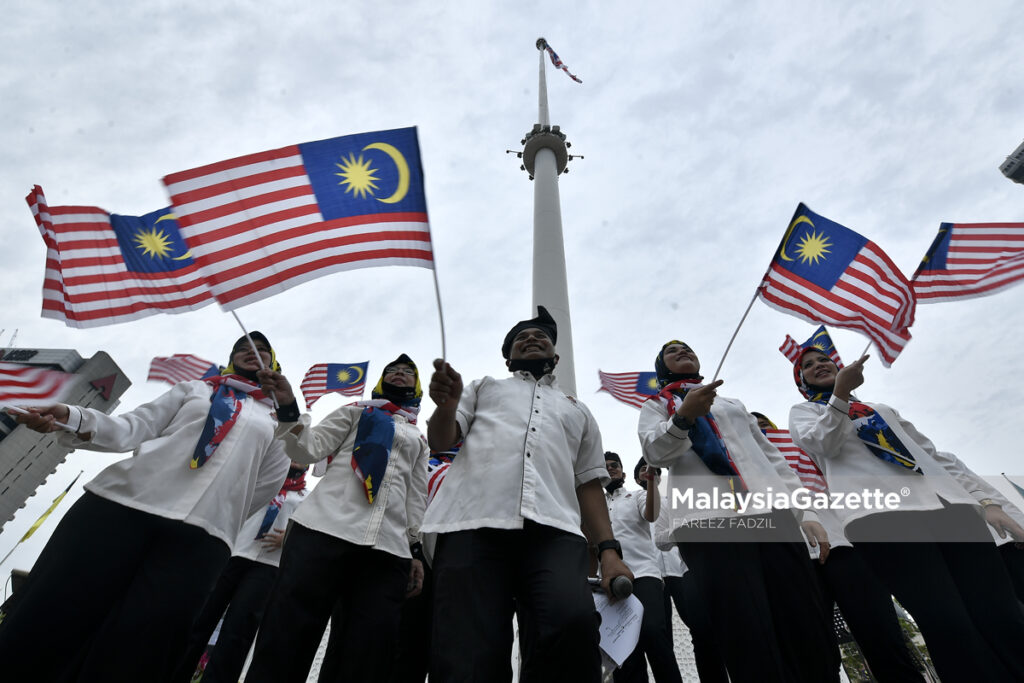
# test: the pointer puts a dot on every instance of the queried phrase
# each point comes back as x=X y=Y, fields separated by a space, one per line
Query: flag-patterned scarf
x=296 y=483
x=225 y=406
x=704 y=434
x=875 y=433
x=374 y=435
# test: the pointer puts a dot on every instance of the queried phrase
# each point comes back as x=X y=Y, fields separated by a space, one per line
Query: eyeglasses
x=408 y=372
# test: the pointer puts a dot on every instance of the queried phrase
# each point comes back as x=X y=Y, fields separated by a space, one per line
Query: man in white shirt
x=509 y=514
x=631 y=513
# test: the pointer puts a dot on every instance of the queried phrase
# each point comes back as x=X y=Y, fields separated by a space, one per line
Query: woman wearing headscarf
x=348 y=553
x=930 y=548
x=117 y=587
x=765 y=609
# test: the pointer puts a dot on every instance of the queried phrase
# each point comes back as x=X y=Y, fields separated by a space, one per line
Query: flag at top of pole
x=260 y=224
x=824 y=272
x=543 y=44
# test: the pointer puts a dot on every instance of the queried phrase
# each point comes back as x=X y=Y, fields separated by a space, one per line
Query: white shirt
x=827 y=434
x=633 y=532
x=246 y=544
x=759 y=463
x=526 y=448
x=338 y=505
x=671 y=563
x=244 y=474
x=980 y=490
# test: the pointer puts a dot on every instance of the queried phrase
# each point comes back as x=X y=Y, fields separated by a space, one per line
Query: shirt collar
x=524 y=375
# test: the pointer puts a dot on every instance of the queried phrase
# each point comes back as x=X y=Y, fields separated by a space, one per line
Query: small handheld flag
x=632 y=388
x=968 y=260
x=181 y=367
x=347 y=379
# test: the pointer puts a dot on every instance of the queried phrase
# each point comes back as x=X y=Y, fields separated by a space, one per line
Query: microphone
x=621 y=587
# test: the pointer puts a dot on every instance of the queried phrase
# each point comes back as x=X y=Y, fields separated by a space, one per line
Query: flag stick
x=735 y=332
x=440 y=315
x=21 y=411
x=259 y=359
x=42 y=518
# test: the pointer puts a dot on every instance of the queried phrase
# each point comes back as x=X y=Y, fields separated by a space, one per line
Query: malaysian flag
x=632 y=388
x=820 y=340
x=969 y=260
x=26 y=385
x=801 y=463
x=260 y=224
x=558 y=62
x=347 y=379
x=181 y=367
x=103 y=268
x=823 y=272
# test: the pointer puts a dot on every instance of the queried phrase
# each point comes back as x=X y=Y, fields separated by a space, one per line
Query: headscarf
x=375 y=432
x=872 y=429
x=666 y=376
x=231 y=388
x=704 y=434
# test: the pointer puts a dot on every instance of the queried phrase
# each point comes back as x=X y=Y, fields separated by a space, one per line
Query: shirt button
x=536 y=411
x=527 y=454
x=533 y=429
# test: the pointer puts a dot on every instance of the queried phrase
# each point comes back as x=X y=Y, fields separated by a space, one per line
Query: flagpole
x=42 y=518
x=21 y=411
x=440 y=315
x=735 y=332
x=259 y=359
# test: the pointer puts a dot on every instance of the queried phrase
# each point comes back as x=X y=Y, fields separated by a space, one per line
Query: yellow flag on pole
x=56 y=501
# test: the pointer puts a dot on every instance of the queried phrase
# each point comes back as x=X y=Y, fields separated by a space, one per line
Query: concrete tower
x=545 y=156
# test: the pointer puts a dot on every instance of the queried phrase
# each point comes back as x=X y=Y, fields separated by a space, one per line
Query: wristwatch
x=681 y=422
x=611 y=544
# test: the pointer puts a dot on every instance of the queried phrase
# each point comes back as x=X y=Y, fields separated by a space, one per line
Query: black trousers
x=766 y=609
x=240 y=596
x=1013 y=558
x=867 y=608
x=322 y=577
x=412 y=661
x=959 y=593
x=682 y=590
x=655 y=638
x=484 y=576
x=112 y=597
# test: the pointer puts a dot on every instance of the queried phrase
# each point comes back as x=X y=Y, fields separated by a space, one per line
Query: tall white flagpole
x=545 y=156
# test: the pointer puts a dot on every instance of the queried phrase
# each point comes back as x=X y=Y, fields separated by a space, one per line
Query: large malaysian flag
x=104 y=268
x=262 y=223
x=823 y=272
x=969 y=260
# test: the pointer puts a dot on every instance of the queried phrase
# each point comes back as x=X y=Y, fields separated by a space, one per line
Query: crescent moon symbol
x=358 y=370
x=796 y=221
x=172 y=217
x=400 y=164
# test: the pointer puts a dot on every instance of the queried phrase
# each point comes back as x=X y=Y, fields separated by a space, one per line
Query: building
x=27 y=458
x=1013 y=167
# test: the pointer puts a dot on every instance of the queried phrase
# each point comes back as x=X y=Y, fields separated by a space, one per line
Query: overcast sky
x=703 y=125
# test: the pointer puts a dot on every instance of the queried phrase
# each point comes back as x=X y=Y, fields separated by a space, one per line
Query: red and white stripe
x=255 y=229
x=982 y=259
x=314 y=385
x=25 y=385
x=801 y=463
x=181 y=367
x=87 y=283
x=622 y=387
x=872 y=296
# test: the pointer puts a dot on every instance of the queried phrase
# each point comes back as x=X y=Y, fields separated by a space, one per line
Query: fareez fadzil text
x=800 y=499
